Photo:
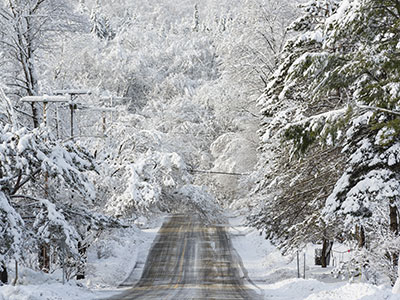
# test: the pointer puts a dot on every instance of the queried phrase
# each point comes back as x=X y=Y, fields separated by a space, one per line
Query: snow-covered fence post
x=63 y=247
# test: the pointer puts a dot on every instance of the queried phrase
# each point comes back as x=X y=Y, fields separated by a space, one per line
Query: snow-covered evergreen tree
x=294 y=186
x=45 y=192
x=335 y=94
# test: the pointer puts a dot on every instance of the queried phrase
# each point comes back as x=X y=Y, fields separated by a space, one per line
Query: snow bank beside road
x=110 y=261
x=276 y=275
x=51 y=291
x=112 y=258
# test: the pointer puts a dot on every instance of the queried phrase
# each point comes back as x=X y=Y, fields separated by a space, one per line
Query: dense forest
x=286 y=111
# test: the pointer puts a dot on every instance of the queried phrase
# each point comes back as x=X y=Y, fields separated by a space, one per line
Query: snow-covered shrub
x=12 y=230
x=148 y=183
x=193 y=197
x=46 y=195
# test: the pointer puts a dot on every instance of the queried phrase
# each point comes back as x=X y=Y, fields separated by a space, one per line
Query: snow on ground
x=275 y=276
x=272 y=275
x=110 y=261
x=50 y=291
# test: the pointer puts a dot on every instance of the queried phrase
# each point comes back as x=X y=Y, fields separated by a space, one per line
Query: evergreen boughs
x=45 y=193
x=338 y=86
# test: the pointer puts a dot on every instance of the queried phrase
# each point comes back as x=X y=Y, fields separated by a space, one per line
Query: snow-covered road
x=206 y=266
x=191 y=260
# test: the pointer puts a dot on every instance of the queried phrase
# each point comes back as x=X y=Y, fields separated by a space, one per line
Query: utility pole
x=72 y=94
x=45 y=99
x=103 y=111
x=44 y=256
x=111 y=100
x=69 y=96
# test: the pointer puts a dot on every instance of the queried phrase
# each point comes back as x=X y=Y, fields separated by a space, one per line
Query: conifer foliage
x=34 y=168
x=333 y=105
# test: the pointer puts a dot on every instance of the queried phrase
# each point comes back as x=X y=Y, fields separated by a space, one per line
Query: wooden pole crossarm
x=115 y=98
x=72 y=92
x=45 y=99
x=101 y=109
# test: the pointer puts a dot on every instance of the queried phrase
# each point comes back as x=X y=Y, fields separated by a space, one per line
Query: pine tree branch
x=397 y=113
x=21 y=184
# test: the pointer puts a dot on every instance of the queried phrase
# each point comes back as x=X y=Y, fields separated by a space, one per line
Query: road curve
x=190 y=260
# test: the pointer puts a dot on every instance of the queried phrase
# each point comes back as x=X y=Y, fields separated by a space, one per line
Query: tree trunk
x=326 y=253
x=3 y=274
x=16 y=273
x=35 y=117
x=325 y=245
x=81 y=266
x=360 y=236
x=394 y=227
x=44 y=258
x=32 y=90
x=24 y=42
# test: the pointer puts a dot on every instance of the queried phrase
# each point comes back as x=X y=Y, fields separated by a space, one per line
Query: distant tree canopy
x=173 y=88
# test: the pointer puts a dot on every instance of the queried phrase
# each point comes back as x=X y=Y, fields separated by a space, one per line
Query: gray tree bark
x=3 y=273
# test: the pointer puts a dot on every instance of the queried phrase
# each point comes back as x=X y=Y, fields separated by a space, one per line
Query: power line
x=219 y=173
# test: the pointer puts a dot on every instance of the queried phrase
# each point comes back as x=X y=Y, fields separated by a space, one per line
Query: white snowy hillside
x=117 y=115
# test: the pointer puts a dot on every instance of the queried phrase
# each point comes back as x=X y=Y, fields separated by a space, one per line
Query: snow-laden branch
x=326 y=115
x=397 y=113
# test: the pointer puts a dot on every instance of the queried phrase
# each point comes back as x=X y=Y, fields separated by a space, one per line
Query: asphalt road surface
x=191 y=260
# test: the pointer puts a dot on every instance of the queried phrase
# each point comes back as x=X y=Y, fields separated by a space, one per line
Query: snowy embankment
x=275 y=276
x=104 y=273
x=272 y=275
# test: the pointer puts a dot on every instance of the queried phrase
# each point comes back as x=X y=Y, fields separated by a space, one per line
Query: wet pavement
x=190 y=259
